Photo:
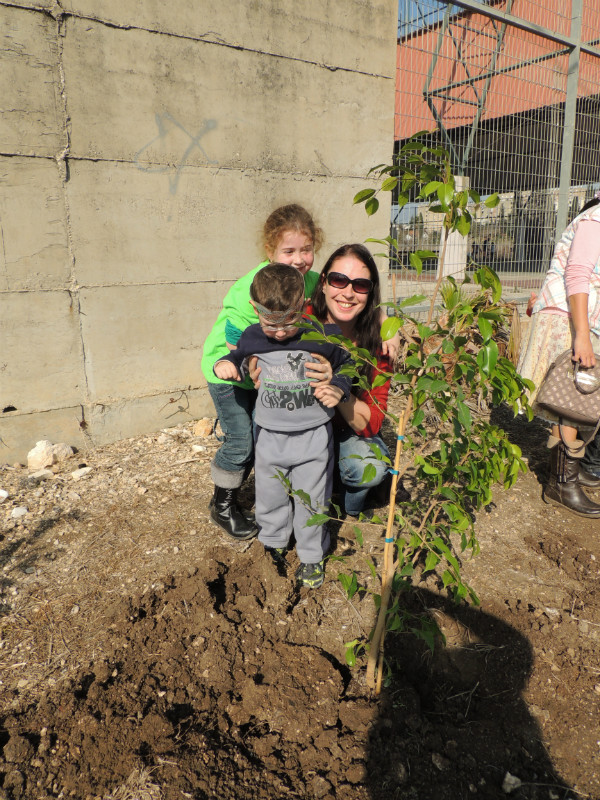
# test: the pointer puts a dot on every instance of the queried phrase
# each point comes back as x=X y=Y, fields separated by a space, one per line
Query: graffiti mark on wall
x=167 y=125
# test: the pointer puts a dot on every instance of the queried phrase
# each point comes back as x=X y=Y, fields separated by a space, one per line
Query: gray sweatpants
x=306 y=459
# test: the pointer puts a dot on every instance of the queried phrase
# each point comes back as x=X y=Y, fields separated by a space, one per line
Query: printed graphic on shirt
x=286 y=386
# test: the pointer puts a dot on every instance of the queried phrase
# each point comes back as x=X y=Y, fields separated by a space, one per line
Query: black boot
x=226 y=514
x=563 y=487
x=587 y=479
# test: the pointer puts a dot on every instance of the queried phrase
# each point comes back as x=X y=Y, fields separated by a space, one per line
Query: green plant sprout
x=452 y=365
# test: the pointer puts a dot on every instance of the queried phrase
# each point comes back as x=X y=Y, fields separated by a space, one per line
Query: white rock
x=42 y=474
x=62 y=451
x=510 y=783
x=3 y=495
x=81 y=473
x=18 y=512
x=164 y=439
x=198 y=448
x=41 y=456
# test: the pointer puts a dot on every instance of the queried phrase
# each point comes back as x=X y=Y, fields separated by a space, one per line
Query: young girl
x=290 y=236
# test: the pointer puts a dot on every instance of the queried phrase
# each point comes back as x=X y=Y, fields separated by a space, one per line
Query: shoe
x=588 y=479
x=225 y=513
x=311 y=575
x=564 y=487
x=277 y=555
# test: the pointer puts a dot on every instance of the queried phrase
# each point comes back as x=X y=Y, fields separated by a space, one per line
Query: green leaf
x=390 y=327
x=415 y=262
x=463 y=224
x=492 y=355
x=485 y=328
x=389 y=184
x=363 y=195
x=303 y=497
x=431 y=561
x=445 y=193
x=316 y=519
x=418 y=417
x=430 y=188
x=387 y=240
x=492 y=201
x=429 y=469
x=425 y=331
x=369 y=473
x=349 y=583
x=350 y=649
x=464 y=415
x=371 y=206
x=426 y=254
x=413 y=300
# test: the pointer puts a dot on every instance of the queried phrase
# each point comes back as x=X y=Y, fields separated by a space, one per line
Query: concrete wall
x=142 y=145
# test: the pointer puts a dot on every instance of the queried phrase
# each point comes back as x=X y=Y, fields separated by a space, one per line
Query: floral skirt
x=549 y=336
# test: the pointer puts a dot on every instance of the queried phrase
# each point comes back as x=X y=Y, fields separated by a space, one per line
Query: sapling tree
x=451 y=364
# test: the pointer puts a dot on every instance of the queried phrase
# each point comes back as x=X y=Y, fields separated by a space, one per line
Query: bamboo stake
x=376 y=652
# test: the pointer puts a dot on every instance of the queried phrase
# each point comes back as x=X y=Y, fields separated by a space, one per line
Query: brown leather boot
x=563 y=487
x=587 y=479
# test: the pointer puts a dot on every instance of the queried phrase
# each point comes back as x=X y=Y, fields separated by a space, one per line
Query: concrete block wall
x=142 y=145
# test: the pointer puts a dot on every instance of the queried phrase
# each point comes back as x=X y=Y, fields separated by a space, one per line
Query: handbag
x=572 y=392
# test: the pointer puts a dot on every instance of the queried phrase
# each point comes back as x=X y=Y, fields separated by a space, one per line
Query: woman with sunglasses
x=348 y=295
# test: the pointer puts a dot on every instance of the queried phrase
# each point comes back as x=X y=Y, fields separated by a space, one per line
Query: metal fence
x=512 y=89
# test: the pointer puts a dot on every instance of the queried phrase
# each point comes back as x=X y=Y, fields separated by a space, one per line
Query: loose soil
x=145 y=655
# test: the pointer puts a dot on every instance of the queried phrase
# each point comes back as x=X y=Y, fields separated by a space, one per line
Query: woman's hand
x=391 y=347
x=582 y=344
x=254 y=371
x=583 y=350
x=319 y=370
x=329 y=395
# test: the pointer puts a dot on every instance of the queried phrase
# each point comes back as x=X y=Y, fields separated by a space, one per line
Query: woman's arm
x=582 y=343
x=584 y=254
x=356 y=413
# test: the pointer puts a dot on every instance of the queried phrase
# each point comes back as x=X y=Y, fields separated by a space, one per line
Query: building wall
x=142 y=145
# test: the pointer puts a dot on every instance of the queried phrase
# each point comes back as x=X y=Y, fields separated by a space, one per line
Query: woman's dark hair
x=367 y=326
x=590 y=204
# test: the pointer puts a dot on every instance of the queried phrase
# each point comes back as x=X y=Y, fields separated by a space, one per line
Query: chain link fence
x=512 y=89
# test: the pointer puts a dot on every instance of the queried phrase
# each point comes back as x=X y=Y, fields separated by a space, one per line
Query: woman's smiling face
x=344 y=305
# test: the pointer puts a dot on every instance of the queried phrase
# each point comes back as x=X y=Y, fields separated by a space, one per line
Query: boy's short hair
x=278 y=287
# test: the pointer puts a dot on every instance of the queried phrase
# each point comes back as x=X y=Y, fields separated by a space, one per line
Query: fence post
x=457 y=249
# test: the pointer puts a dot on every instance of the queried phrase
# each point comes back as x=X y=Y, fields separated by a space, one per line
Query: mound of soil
x=143 y=655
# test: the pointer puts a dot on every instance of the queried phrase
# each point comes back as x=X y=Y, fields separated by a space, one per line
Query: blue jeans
x=234 y=407
x=355 y=493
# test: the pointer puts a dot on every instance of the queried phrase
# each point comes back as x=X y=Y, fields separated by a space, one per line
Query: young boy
x=292 y=418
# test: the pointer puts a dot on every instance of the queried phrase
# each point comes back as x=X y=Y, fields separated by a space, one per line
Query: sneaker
x=277 y=554
x=311 y=575
x=278 y=557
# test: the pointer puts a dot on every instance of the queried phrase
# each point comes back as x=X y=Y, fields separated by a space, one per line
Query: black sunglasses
x=340 y=281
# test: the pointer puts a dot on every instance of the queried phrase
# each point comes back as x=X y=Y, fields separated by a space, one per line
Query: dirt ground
x=145 y=656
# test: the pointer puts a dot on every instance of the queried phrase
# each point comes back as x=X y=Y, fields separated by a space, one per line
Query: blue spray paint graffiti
x=165 y=124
